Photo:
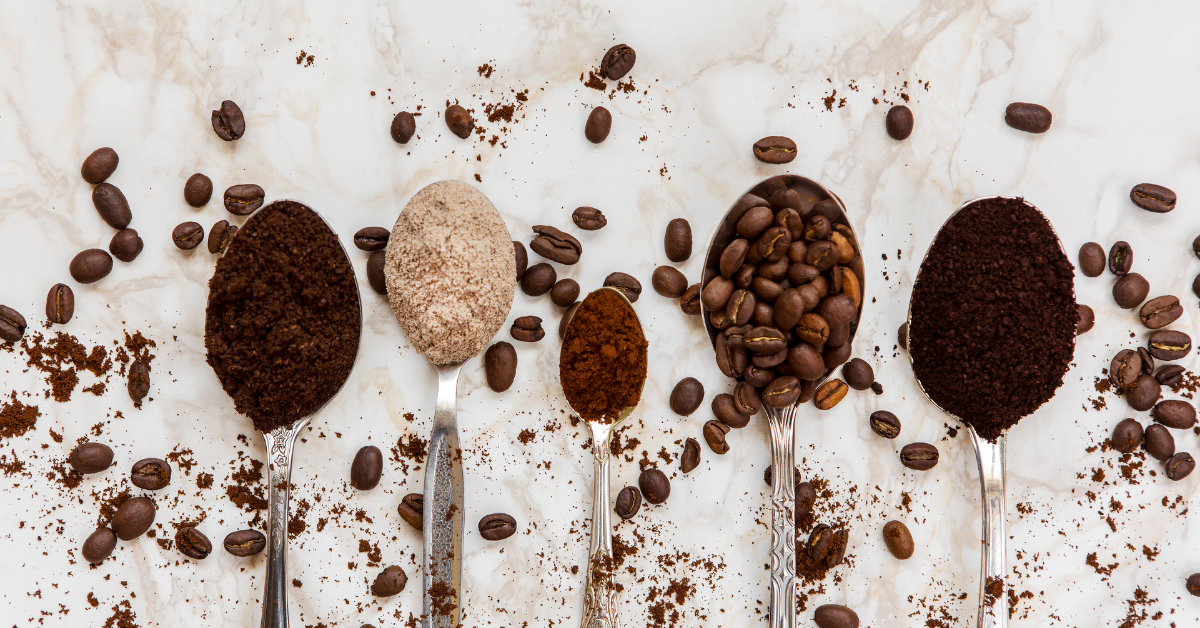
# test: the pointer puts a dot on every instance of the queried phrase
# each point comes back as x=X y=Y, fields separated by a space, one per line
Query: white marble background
x=711 y=78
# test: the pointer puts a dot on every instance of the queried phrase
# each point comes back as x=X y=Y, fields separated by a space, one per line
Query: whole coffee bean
x=725 y=409
x=858 y=374
x=1124 y=368
x=389 y=582
x=730 y=359
x=765 y=289
x=817 y=545
x=555 y=245
x=192 y=543
x=902 y=336
x=60 y=307
x=99 y=545
x=588 y=218
x=835 y=616
x=522 y=259
x=837 y=548
x=228 y=122
x=817 y=227
x=220 y=235
x=769 y=476
x=538 y=280
x=375 y=276
x=835 y=356
x=1130 y=290
x=830 y=393
x=1144 y=393
x=371 y=238
x=898 y=539
x=565 y=292
x=1147 y=360
x=125 y=245
x=1175 y=413
x=243 y=199
x=1170 y=375
x=772 y=246
x=899 y=122
x=1127 y=435
x=497 y=527
x=1196 y=246
x=919 y=456
x=806 y=498
x=1158 y=442
x=760 y=376
x=629 y=501
x=459 y=121
x=1152 y=198
x=1087 y=319
x=527 y=329
x=599 y=123
x=1193 y=584
x=500 y=366
x=775 y=149
x=133 y=518
x=412 y=509
x=716 y=293
x=655 y=486
x=689 y=303
x=746 y=399
x=1120 y=258
x=806 y=362
x=188 y=235
x=877 y=388
x=99 y=165
x=1180 y=466
x=691 y=455
x=197 y=190
x=668 y=282
x=1028 y=117
x=245 y=542
x=1160 y=312
x=740 y=307
x=754 y=222
x=111 y=205
x=151 y=474
x=733 y=258
x=626 y=284
x=885 y=424
x=367 y=468
x=813 y=329
x=617 y=62
x=782 y=392
x=678 y=240
x=404 y=126
x=837 y=310
x=12 y=324
x=714 y=435
x=765 y=341
x=91 y=457
x=1170 y=345
x=687 y=396
x=1091 y=259
x=789 y=218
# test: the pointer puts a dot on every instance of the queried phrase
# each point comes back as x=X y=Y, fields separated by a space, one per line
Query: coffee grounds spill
x=17 y=418
x=993 y=315
x=284 y=318
x=602 y=365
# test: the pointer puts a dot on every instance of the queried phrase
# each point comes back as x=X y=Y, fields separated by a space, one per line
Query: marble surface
x=711 y=78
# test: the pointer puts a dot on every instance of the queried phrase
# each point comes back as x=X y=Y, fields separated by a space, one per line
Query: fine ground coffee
x=602 y=365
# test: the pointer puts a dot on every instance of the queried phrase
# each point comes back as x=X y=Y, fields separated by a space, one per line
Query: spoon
x=781 y=421
x=598 y=607
x=442 y=530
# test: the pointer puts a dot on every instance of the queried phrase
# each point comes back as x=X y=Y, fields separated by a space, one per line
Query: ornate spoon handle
x=598 y=608
x=280 y=443
x=443 y=517
x=783 y=517
x=993 y=611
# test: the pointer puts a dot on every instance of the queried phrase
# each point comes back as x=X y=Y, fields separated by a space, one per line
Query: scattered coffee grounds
x=602 y=365
x=283 y=318
x=993 y=315
x=61 y=357
x=16 y=418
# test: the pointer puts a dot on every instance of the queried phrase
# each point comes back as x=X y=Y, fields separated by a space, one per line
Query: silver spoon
x=442 y=517
x=781 y=421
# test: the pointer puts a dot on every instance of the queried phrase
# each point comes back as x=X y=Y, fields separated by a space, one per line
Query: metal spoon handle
x=443 y=512
x=990 y=456
x=783 y=516
x=280 y=443
x=598 y=608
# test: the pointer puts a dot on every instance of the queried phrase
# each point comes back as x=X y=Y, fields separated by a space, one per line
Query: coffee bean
x=192 y=543
x=99 y=545
x=1147 y=360
x=746 y=399
x=678 y=240
x=555 y=245
x=837 y=548
x=1127 y=435
x=1175 y=413
x=1170 y=345
x=830 y=393
x=835 y=616
x=1193 y=584
x=805 y=361
x=245 y=542
x=1130 y=290
x=228 y=122
x=1144 y=393
x=691 y=455
x=754 y=222
x=899 y=122
x=716 y=293
x=817 y=545
x=772 y=246
x=769 y=476
x=91 y=457
x=459 y=121
x=139 y=382
x=412 y=509
x=724 y=408
x=538 y=280
x=806 y=498
x=814 y=330
x=188 y=235
x=782 y=392
x=898 y=539
x=1087 y=319
x=110 y=203
x=220 y=235
x=689 y=303
x=1180 y=466
x=731 y=360
x=375 y=276
x=789 y=218
x=1196 y=286
x=687 y=396
x=837 y=310
x=522 y=259
x=761 y=376
x=617 y=62
x=668 y=282
x=99 y=165
x=389 y=582
x=197 y=190
x=1124 y=368
x=775 y=149
x=599 y=123
x=626 y=284
x=588 y=218
x=733 y=257
x=371 y=238
x=60 y=307
x=919 y=456
x=1028 y=117
x=1152 y=198
x=133 y=518
x=902 y=336
x=404 y=126
x=877 y=388
x=1120 y=258
x=500 y=366
x=629 y=501
x=12 y=324
x=242 y=200
x=151 y=474
x=1160 y=312
x=765 y=341
x=527 y=329
x=858 y=374
x=1091 y=259
x=714 y=435
x=835 y=356
x=885 y=424
x=497 y=527
x=125 y=245
x=655 y=486
x=765 y=290
x=1158 y=442
x=367 y=468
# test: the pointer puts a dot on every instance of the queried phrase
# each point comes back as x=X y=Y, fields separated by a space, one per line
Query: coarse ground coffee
x=993 y=315
x=602 y=365
x=284 y=317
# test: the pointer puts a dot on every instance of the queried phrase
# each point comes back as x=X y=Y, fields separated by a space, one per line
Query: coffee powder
x=993 y=315
x=602 y=365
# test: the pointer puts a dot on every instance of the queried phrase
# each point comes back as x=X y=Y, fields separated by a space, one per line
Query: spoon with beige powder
x=451 y=277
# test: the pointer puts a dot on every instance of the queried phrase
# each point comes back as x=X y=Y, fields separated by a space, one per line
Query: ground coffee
x=602 y=365
x=993 y=315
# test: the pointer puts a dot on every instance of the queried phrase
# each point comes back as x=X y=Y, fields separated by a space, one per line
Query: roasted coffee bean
x=817 y=545
x=522 y=259
x=404 y=126
x=1160 y=312
x=740 y=307
x=877 y=388
x=371 y=238
x=919 y=456
x=375 y=276
x=1120 y=258
x=599 y=123
x=678 y=240
x=12 y=324
x=716 y=294
x=837 y=310
x=668 y=282
x=188 y=235
x=60 y=307
x=655 y=486
x=497 y=527
x=1144 y=393
x=687 y=396
x=1152 y=198
x=775 y=149
x=1087 y=319
x=1170 y=375
x=629 y=501
x=788 y=309
x=1130 y=290
x=689 y=303
x=746 y=399
x=367 y=468
x=228 y=122
x=885 y=424
x=245 y=542
x=754 y=222
x=813 y=329
x=125 y=245
x=830 y=393
x=99 y=165
x=1175 y=414
x=151 y=474
x=99 y=545
x=627 y=285
x=1091 y=259
x=220 y=235
x=1170 y=345
x=1193 y=584
x=744 y=277
x=768 y=361
x=389 y=582
x=1147 y=361
x=821 y=255
x=588 y=218
x=1028 y=117
x=769 y=476
x=806 y=498
x=714 y=435
x=133 y=518
x=898 y=539
x=197 y=190
x=91 y=457
x=539 y=279
x=565 y=292
x=192 y=543
x=732 y=257
x=902 y=336
x=1196 y=286
x=617 y=62
x=851 y=287
x=858 y=374
x=500 y=366
x=765 y=340
x=724 y=408
x=459 y=121
x=835 y=356
x=797 y=252
x=1158 y=442
x=835 y=616
x=899 y=122
x=1180 y=466
x=760 y=376
x=1127 y=435
x=412 y=510
x=555 y=245
x=837 y=548
x=731 y=360
x=817 y=227
x=806 y=362
x=242 y=200
x=775 y=271
x=764 y=314
x=691 y=456
x=527 y=329
x=111 y=205
x=782 y=392
x=789 y=218
x=1124 y=368
x=139 y=382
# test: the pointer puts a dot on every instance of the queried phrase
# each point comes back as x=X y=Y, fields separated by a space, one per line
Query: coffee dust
x=16 y=418
x=602 y=365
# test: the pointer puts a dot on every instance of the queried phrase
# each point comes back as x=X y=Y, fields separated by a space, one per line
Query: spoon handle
x=442 y=520
x=280 y=443
x=782 y=422
x=992 y=607
x=598 y=608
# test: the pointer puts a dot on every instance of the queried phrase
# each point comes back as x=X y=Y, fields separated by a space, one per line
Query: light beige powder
x=450 y=270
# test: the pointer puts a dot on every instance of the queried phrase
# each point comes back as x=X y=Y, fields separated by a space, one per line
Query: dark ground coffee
x=992 y=324
x=284 y=316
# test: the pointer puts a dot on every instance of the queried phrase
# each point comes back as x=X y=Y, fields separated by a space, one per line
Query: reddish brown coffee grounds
x=993 y=315
x=283 y=318
x=603 y=361
x=17 y=418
